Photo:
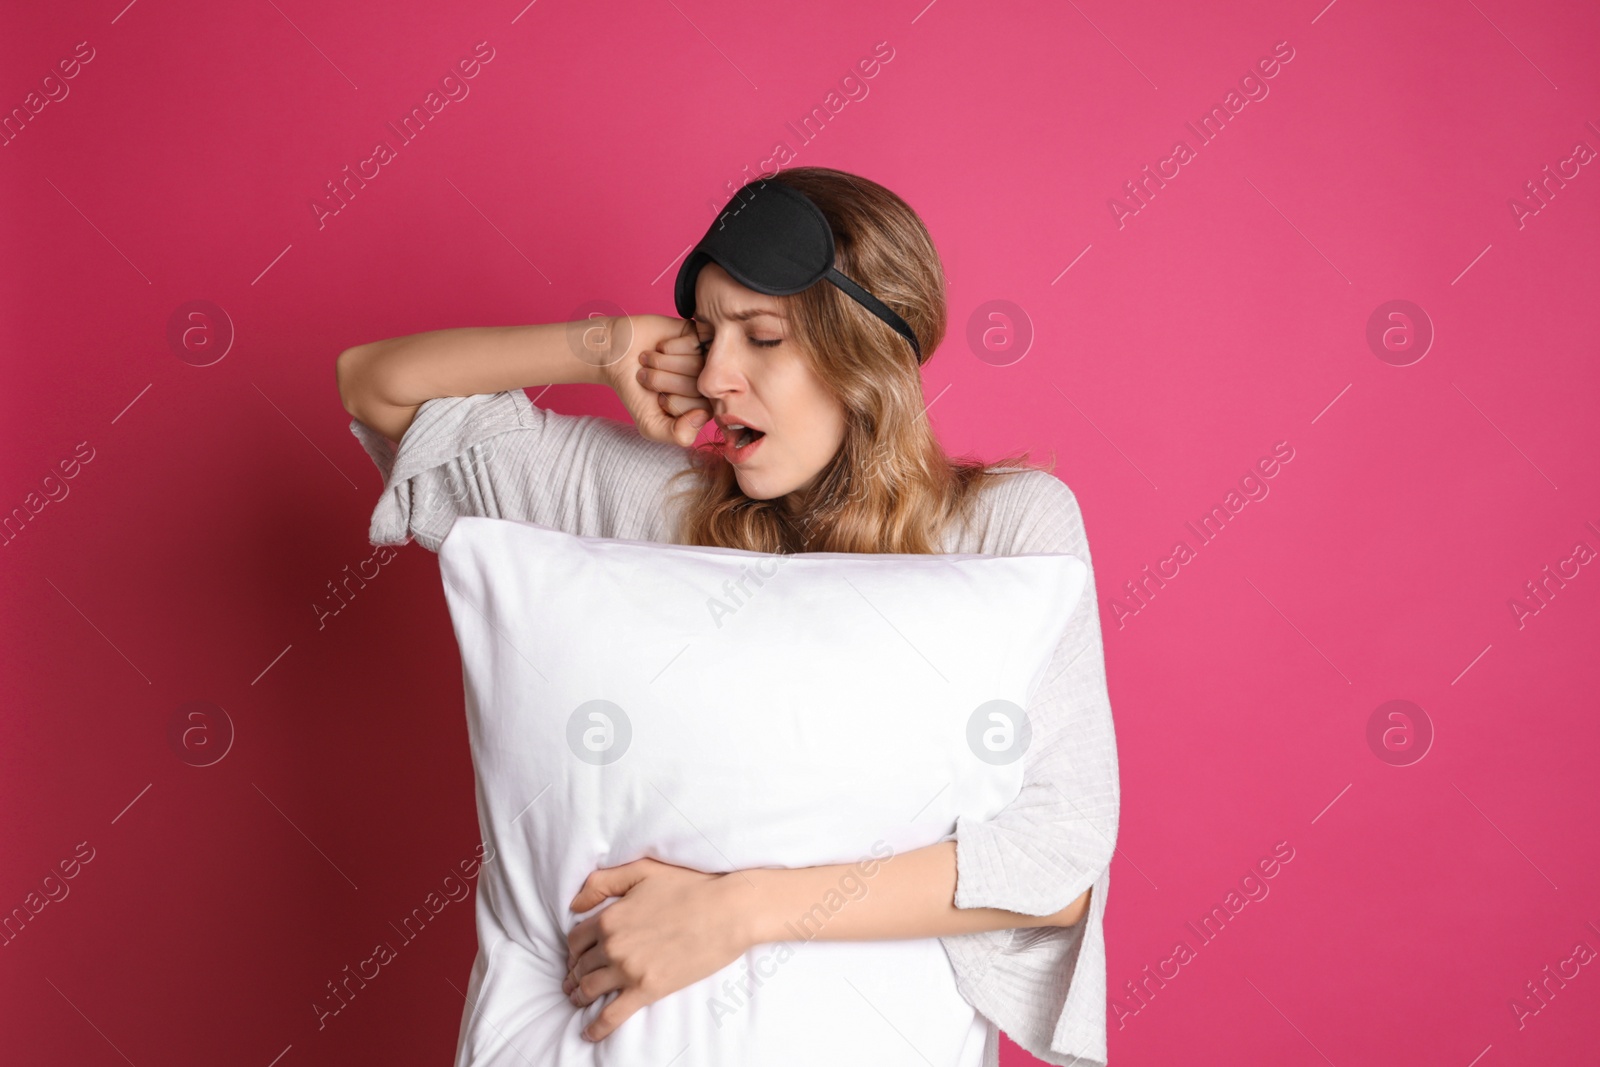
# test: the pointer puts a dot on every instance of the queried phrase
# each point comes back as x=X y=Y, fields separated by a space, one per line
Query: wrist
x=594 y=349
x=749 y=905
x=618 y=350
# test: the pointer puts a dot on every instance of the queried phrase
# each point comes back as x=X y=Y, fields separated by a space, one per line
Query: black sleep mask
x=772 y=238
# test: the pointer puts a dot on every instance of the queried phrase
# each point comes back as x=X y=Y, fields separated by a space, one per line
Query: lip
x=728 y=418
x=737 y=456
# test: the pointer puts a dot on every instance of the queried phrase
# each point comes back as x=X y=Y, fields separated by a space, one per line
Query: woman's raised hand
x=656 y=376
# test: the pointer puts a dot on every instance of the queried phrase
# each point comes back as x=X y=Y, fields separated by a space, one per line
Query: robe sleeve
x=1046 y=986
x=500 y=456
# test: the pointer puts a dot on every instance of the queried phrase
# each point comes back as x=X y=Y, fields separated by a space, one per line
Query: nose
x=721 y=373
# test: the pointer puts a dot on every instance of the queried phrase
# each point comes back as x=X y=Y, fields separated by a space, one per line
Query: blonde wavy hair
x=890 y=487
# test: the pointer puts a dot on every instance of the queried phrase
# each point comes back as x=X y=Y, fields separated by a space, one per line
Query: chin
x=755 y=487
x=762 y=486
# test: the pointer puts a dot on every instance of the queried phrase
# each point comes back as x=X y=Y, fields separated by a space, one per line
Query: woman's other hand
x=672 y=927
x=656 y=376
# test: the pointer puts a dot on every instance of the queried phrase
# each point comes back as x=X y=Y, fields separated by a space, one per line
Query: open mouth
x=739 y=442
x=738 y=435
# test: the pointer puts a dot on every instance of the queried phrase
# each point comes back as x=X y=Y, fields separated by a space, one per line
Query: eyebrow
x=753 y=313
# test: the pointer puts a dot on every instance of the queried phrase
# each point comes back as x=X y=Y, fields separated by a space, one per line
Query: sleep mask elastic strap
x=772 y=238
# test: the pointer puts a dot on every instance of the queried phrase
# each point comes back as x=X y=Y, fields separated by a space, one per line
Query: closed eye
x=775 y=342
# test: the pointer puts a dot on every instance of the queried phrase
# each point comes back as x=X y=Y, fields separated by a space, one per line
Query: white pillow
x=722 y=709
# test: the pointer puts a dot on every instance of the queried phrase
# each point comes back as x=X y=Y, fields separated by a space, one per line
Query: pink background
x=210 y=507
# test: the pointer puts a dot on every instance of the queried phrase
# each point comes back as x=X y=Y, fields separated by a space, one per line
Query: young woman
x=823 y=445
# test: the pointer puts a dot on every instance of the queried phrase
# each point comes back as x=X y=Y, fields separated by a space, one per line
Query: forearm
x=382 y=383
x=909 y=895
